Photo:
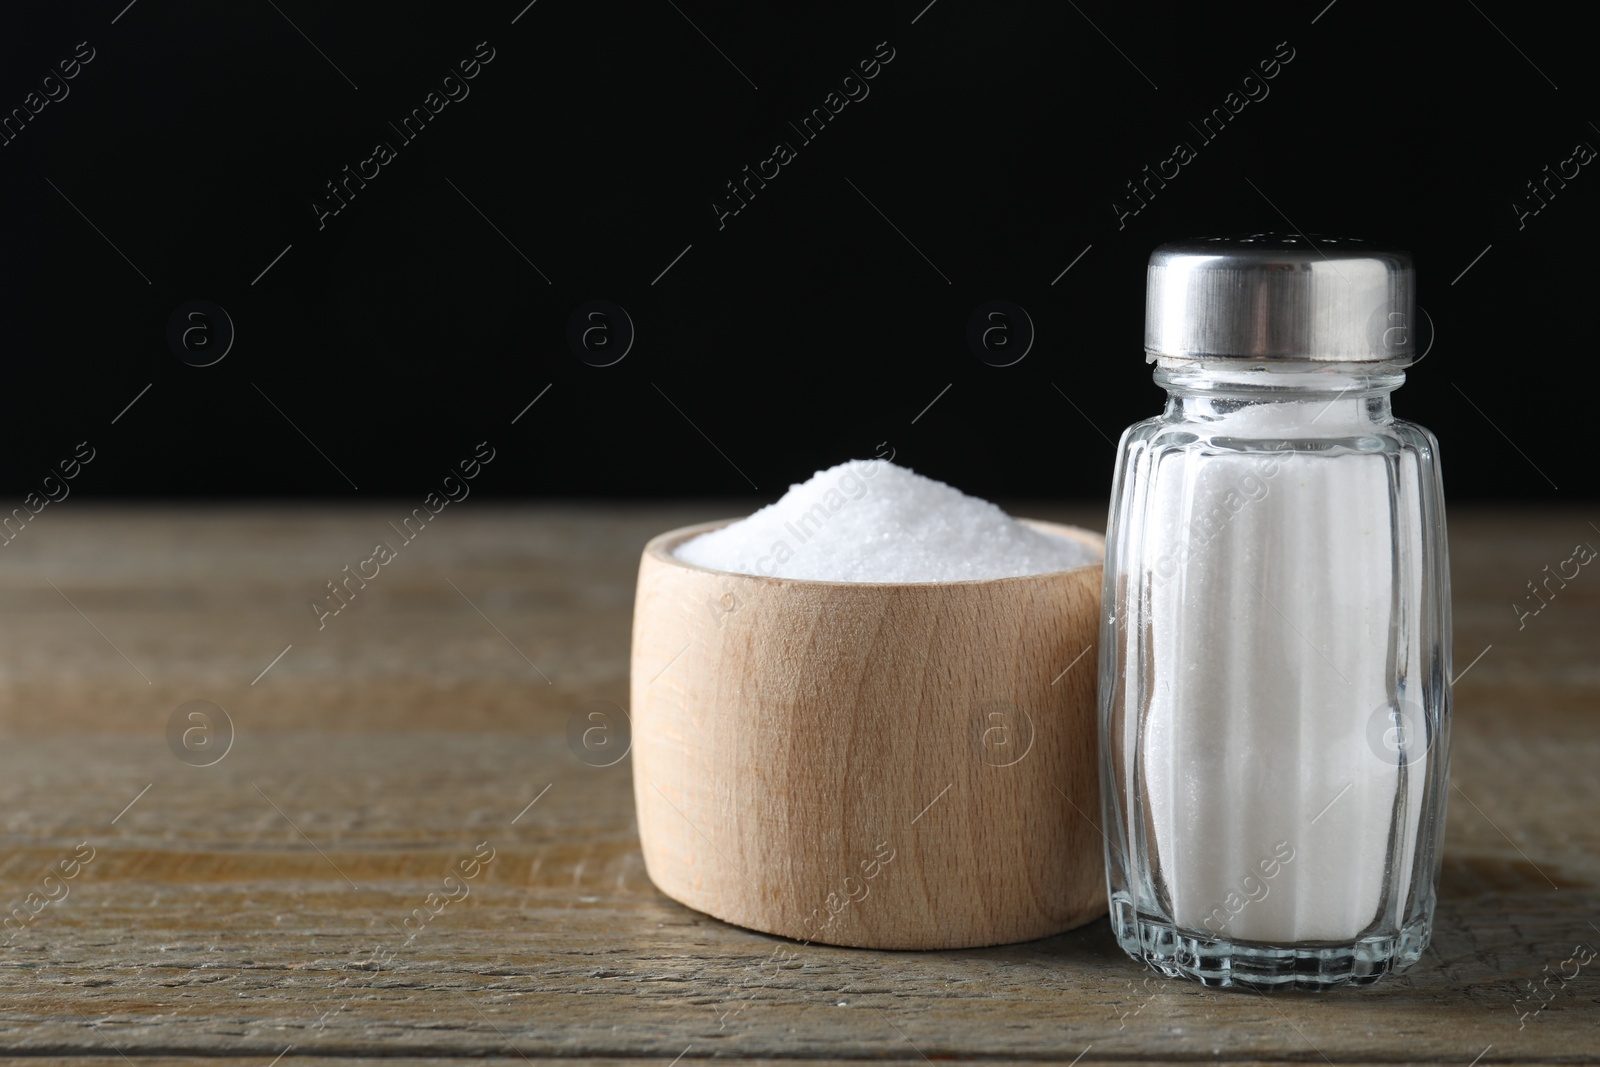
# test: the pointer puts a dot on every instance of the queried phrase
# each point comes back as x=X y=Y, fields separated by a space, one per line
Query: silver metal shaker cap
x=1275 y=296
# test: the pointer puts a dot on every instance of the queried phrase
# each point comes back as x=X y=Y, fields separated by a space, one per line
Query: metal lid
x=1274 y=296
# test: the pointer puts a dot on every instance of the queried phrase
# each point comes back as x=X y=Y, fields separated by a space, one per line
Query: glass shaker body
x=1274 y=677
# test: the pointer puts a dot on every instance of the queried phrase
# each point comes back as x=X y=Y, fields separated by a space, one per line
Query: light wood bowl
x=881 y=765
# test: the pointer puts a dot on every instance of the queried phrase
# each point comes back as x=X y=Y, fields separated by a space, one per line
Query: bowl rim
x=660 y=548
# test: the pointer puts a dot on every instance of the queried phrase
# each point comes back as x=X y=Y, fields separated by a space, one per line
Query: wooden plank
x=293 y=1059
x=243 y=907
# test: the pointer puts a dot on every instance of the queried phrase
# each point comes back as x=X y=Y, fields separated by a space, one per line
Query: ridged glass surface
x=1274 y=669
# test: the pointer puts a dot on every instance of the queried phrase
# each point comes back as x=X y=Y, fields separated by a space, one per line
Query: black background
x=807 y=329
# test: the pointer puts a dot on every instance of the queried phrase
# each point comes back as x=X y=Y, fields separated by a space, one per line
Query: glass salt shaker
x=1275 y=653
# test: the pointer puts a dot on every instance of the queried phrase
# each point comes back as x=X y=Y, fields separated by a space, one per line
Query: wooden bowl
x=883 y=765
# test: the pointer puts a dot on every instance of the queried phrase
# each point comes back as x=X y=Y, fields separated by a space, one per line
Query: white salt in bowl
x=884 y=765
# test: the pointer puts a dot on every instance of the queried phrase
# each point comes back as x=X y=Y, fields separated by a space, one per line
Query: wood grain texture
x=263 y=902
x=871 y=765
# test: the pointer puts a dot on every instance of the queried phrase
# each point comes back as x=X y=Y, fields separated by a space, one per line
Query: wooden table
x=243 y=908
